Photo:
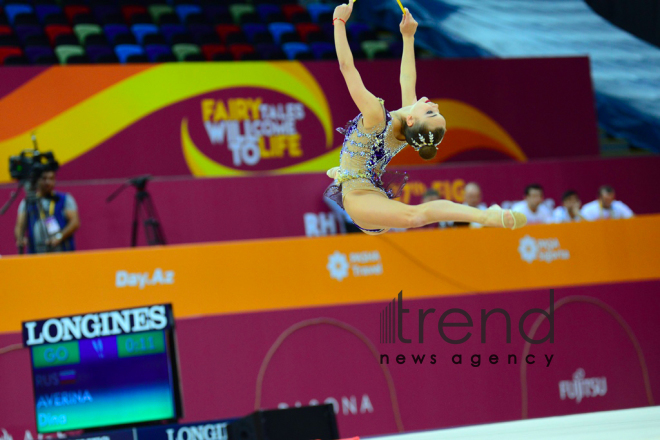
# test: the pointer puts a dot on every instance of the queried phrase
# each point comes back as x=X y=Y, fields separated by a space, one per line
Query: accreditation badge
x=52 y=226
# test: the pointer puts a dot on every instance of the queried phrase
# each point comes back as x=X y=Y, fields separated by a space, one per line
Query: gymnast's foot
x=501 y=218
x=332 y=172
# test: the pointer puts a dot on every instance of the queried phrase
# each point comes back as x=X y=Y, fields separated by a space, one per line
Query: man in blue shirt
x=51 y=228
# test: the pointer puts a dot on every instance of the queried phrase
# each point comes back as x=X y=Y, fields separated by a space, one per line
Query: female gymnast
x=361 y=185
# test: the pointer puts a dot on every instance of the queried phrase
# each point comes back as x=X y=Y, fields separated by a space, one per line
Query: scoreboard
x=104 y=369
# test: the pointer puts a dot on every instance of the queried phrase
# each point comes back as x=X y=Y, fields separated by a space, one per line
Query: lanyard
x=51 y=210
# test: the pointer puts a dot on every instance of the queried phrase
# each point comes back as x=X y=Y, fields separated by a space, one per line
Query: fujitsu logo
x=579 y=387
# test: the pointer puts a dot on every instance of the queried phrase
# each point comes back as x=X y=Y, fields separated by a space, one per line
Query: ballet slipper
x=519 y=219
x=332 y=172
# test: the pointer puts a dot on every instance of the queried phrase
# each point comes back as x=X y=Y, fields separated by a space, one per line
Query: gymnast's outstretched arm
x=408 y=76
x=369 y=105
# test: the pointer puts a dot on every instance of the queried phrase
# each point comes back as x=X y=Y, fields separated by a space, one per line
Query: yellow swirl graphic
x=89 y=123
x=198 y=162
x=478 y=131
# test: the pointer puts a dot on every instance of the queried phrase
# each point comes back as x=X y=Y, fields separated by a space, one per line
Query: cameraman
x=50 y=228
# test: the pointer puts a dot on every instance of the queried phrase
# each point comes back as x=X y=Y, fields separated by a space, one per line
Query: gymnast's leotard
x=362 y=161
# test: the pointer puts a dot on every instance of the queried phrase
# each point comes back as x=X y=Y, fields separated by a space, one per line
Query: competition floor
x=629 y=424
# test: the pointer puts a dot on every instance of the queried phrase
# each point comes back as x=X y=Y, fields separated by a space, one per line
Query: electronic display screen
x=103 y=369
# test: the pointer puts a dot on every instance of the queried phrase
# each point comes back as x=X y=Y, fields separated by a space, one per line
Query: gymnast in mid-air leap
x=362 y=186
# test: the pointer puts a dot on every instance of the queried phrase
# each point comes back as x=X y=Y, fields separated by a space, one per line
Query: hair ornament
x=417 y=145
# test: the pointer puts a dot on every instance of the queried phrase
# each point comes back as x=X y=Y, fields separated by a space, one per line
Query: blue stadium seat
x=112 y=30
x=270 y=52
x=12 y=10
x=184 y=10
x=107 y=14
x=170 y=30
x=317 y=9
x=43 y=11
x=322 y=49
x=357 y=51
x=266 y=9
x=356 y=29
x=203 y=34
x=329 y=30
x=293 y=49
x=218 y=14
x=140 y=30
x=154 y=51
x=396 y=48
x=24 y=32
x=277 y=29
x=99 y=53
x=124 y=51
x=251 y=29
x=33 y=53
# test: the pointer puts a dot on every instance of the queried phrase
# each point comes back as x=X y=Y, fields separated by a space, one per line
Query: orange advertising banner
x=355 y=268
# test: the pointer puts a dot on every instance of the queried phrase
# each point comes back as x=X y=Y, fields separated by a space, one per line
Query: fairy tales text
x=252 y=129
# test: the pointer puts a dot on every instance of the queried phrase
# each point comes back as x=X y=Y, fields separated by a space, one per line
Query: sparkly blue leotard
x=362 y=161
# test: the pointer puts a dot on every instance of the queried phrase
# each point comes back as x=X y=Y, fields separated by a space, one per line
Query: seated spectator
x=430 y=195
x=472 y=197
x=570 y=209
x=606 y=206
x=533 y=207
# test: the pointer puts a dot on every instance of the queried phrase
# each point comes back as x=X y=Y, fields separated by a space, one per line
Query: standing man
x=51 y=228
x=606 y=206
x=533 y=206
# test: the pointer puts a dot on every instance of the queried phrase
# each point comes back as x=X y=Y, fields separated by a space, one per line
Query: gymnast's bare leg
x=372 y=210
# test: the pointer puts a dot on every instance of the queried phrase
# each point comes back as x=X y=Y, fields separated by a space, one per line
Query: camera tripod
x=143 y=208
x=33 y=208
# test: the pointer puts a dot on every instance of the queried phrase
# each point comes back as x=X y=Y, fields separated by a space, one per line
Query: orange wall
x=287 y=273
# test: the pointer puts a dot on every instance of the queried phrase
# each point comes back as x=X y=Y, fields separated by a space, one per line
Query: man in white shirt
x=570 y=209
x=533 y=206
x=606 y=206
